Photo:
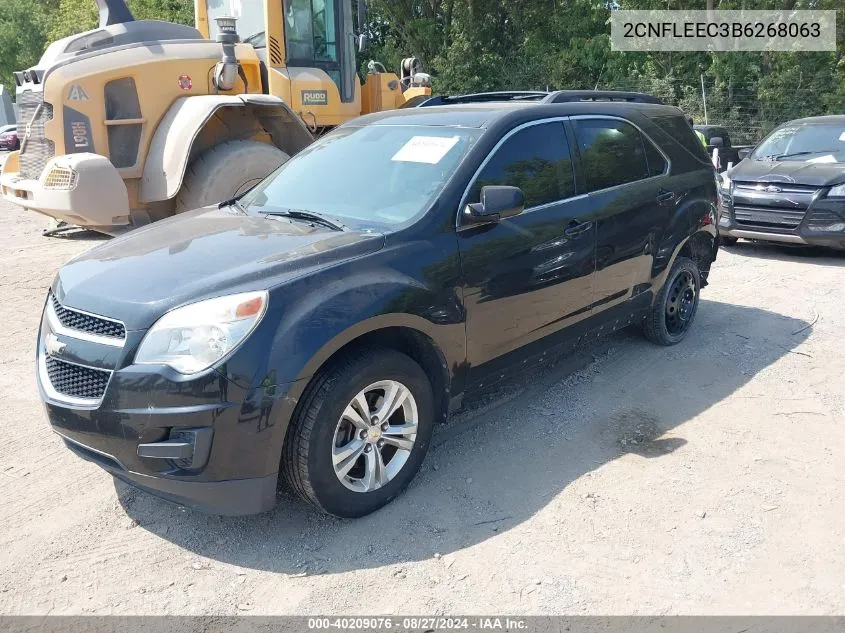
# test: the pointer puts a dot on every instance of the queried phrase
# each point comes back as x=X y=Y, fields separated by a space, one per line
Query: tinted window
x=537 y=160
x=678 y=128
x=656 y=162
x=612 y=153
x=310 y=30
x=723 y=133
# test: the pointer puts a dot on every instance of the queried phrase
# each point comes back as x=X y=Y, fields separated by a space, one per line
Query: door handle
x=576 y=228
x=664 y=196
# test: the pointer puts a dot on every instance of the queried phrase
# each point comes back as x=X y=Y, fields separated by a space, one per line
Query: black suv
x=320 y=325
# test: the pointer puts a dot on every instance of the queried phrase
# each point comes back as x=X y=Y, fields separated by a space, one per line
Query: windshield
x=376 y=176
x=250 y=15
x=810 y=142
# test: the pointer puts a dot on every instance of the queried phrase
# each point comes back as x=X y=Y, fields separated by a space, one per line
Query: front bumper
x=231 y=498
x=822 y=224
x=82 y=189
x=139 y=410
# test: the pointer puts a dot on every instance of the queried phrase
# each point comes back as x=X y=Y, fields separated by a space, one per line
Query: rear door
x=626 y=176
x=530 y=275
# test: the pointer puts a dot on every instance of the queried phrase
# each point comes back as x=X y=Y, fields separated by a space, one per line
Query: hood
x=196 y=255
x=795 y=172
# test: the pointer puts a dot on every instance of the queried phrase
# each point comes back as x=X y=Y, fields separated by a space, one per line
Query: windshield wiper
x=298 y=214
x=780 y=156
x=235 y=203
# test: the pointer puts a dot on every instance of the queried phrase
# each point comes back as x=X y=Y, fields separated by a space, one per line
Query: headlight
x=726 y=182
x=837 y=192
x=194 y=337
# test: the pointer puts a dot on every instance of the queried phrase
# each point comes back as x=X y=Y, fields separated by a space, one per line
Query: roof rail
x=538 y=96
x=566 y=96
x=486 y=97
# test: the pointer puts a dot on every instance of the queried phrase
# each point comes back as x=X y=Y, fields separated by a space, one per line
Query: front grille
x=89 y=323
x=76 y=381
x=61 y=179
x=37 y=150
x=785 y=188
x=768 y=218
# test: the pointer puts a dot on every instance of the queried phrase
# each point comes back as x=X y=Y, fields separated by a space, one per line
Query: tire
x=321 y=429
x=225 y=171
x=673 y=311
x=727 y=240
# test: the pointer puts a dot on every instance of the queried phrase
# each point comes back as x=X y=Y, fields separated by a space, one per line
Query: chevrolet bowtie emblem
x=53 y=345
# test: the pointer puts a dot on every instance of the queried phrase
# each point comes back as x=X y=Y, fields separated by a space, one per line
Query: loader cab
x=308 y=47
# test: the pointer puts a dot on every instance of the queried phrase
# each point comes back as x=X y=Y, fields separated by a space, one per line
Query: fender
x=339 y=305
x=173 y=141
x=694 y=213
x=321 y=325
x=381 y=321
x=698 y=228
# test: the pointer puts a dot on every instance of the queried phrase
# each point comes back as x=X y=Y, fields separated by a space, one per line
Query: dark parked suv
x=791 y=188
x=320 y=325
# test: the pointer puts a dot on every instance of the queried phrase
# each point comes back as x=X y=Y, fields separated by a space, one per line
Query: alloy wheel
x=375 y=436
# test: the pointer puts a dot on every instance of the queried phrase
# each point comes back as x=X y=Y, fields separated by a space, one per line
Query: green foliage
x=76 y=16
x=475 y=45
x=23 y=31
x=27 y=26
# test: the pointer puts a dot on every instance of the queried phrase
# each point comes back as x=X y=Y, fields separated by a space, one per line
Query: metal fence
x=749 y=116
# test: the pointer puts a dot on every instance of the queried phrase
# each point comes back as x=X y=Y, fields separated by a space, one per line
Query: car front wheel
x=674 y=308
x=360 y=433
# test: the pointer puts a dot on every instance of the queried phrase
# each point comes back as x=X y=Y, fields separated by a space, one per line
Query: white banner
x=792 y=31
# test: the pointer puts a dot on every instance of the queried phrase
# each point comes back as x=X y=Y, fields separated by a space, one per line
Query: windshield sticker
x=842 y=136
x=426 y=149
x=829 y=158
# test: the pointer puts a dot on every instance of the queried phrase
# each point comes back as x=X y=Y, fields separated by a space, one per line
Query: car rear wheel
x=674 y=308
x=360 y=433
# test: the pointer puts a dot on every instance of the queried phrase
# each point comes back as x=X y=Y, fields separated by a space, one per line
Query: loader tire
x=225 y=171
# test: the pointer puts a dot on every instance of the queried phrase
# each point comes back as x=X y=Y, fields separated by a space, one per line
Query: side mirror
x=744 y=152
x=716 y=141
x=363 y=42
x=497 y=202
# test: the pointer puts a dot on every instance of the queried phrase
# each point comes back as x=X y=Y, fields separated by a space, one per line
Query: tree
x=23 y=26
x=76 y=16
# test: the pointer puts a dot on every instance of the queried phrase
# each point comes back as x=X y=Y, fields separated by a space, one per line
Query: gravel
x=626 y=478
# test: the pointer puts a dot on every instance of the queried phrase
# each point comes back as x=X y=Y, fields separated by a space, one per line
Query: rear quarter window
x=677 y=128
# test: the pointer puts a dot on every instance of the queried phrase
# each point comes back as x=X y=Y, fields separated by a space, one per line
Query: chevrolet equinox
x=315 y=329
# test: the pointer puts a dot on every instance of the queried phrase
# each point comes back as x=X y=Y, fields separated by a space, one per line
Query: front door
x=530 y=275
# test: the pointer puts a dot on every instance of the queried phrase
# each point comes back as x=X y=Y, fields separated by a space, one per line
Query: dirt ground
x=625 y=479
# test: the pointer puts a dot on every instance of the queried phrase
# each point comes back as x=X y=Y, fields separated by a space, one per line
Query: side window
x=537 y=160
x=678 y=128
x=310 y=30
x=612 y=152
x=656 y=162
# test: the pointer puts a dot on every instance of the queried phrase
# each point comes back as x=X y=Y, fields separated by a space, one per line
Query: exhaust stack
x=113 y=12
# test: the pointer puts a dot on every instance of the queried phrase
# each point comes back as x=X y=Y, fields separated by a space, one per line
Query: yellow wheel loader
x=137 y=120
